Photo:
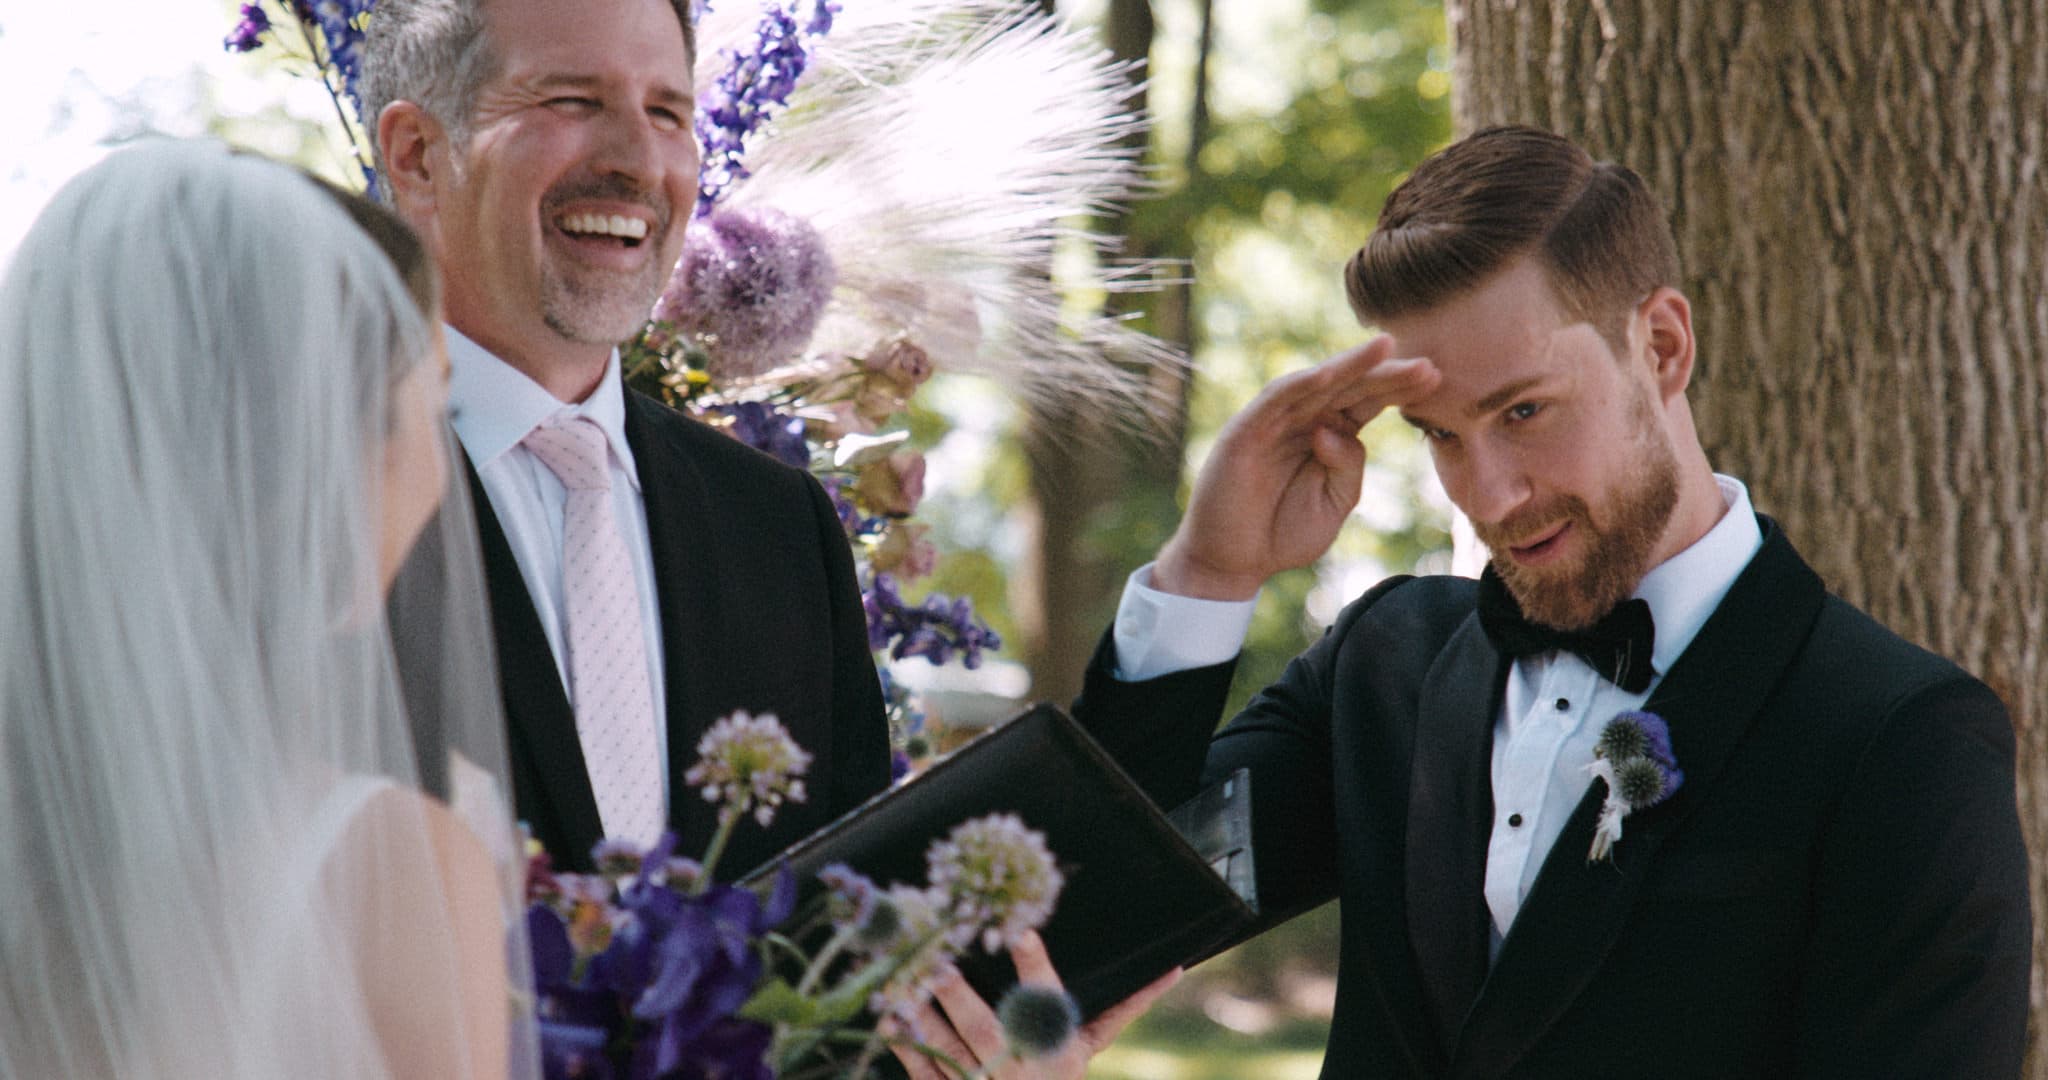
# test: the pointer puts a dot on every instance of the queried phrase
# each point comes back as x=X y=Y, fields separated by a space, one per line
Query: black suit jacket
x=760 y=610
x=1837 y=890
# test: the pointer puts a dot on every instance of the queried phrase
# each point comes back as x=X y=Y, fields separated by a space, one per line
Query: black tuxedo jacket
x=760 y=610
x=1838 y=889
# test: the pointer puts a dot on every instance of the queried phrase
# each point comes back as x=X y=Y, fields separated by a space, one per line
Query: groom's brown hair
x=1499 y=194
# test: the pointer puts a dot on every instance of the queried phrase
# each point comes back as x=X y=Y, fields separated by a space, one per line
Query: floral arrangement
x=1633 y=759
x=888 y=190
x=650 y=968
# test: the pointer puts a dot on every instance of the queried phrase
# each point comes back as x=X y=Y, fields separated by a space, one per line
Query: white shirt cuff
x=1159 y=633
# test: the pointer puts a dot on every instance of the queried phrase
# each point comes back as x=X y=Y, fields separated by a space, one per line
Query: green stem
x=727 y=820
x=824 y=960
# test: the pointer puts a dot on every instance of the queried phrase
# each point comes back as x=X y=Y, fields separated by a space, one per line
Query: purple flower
x=778 y=435
x=678 y=968
x=757 y=83
x=935 y=629
x=248 y=34
x=750 y=288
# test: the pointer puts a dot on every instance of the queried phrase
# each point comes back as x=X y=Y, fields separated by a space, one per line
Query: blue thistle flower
x=1037 y=1020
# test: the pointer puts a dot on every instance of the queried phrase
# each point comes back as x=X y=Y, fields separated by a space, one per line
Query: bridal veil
x=215 y=857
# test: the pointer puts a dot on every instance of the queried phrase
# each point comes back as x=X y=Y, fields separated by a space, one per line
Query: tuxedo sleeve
x=1159 y=730
x=860 y=726
x=1922 y=931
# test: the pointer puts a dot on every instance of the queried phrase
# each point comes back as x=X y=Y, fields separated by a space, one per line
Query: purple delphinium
x=677 y=968
x=935 y=629
x=776 y=434
x=857 y=525
x=248 y=34
x=758 y=82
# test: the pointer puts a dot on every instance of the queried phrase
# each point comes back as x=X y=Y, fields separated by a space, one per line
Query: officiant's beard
x=595 y=305
x=1614 y=555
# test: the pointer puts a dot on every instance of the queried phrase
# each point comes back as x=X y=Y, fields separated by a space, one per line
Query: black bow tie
x=1618 y=646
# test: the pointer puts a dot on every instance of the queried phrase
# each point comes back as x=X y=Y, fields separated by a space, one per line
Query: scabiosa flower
x=750 y=289
x=996 y=880
x=749 y=763
x=616 y=858
x=1037 y=1020
x=849 y=896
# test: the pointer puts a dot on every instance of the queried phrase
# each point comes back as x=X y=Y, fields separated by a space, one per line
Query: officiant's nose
x=630 y=147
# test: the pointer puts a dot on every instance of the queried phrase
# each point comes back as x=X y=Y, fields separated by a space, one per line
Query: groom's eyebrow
x=1500 y=398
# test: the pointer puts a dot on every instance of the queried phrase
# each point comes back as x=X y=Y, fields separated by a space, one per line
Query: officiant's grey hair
x=437 y=54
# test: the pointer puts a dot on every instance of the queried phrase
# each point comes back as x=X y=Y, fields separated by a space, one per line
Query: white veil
x=214 y=857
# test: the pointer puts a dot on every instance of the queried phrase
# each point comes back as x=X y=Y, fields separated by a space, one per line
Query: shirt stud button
x=1563 y=704
x=1514 y=821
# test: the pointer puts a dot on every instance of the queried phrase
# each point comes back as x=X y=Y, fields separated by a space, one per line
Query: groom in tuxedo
x=1835 y=888
x=648 y=575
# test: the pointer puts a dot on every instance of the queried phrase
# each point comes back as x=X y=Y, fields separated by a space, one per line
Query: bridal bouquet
x=651 y=969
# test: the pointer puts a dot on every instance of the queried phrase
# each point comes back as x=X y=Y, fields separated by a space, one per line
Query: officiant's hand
x=968 y=1032
x=1285 y=473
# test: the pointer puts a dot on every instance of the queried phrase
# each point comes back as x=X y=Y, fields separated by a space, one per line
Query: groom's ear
x=414 y=147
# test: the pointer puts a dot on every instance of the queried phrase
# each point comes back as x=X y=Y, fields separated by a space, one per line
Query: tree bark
x=1859 y=201
x=1095 y=485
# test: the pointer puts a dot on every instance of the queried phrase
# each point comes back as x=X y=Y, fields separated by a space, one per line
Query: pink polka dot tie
x=607 y=647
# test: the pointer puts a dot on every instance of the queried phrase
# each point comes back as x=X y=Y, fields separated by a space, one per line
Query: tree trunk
x=1095 y=487
x=1858 y=196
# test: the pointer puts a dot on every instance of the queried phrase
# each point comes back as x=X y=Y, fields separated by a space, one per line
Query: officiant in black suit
x=1836 y=886
x=648 y=575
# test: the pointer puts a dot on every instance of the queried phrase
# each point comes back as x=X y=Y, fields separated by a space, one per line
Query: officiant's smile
x=1553 y=440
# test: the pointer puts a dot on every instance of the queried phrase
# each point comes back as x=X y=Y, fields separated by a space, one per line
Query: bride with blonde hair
x=223 y=503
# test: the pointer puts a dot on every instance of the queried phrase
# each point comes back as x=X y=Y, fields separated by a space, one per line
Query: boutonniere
x=1634 y=759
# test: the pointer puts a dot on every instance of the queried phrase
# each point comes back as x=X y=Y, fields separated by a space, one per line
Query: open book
x=1145 y=890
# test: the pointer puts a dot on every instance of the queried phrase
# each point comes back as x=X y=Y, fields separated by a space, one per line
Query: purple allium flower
x=248 y=34
x=749 y=763
x=778 y=435
x=996 y=880
x=750 y=288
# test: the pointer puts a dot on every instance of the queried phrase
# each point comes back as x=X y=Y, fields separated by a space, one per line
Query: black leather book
x=1145 y=890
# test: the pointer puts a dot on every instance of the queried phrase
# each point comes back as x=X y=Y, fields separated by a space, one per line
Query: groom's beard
x=1614 y=555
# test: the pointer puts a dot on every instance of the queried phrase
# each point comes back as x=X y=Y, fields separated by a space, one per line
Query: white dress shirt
x=1554 y=707
x=493 y=406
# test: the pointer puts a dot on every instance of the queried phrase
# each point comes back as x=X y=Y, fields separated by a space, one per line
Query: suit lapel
x=1450 y=819
x=680 y=536
x=1576 y=910
x=540 y=725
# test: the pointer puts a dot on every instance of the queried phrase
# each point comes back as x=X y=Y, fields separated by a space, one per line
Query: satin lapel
x=1577 y=909
x=1450 y=819
x=679 y=533
x=539 y=721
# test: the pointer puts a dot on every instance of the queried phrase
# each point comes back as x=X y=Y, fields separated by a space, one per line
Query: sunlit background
x=1313 y=110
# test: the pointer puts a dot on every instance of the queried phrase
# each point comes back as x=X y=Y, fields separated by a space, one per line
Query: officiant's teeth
x=614 y=225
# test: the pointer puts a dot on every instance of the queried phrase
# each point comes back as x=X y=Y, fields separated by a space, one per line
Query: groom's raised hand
x=1284 y=474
